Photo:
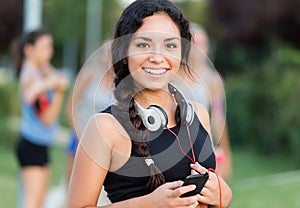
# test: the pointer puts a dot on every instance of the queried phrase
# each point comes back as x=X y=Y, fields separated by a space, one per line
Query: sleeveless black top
x=130 y=180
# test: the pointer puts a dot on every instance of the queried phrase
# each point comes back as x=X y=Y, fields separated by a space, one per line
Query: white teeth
x=155 y=71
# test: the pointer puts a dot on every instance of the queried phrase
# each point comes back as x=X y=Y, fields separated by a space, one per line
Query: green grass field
x=257 y=182
x=264 y=181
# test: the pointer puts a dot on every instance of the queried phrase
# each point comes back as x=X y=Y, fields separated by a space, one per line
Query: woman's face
x=154 y=53
x=42 y=50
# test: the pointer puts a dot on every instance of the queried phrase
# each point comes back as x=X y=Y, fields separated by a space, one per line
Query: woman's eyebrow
x=149 y=39
x=170 y=39
x=143 y=38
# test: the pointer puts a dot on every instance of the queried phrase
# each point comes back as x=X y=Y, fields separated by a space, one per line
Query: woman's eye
x=143 y=45
x=171 y=45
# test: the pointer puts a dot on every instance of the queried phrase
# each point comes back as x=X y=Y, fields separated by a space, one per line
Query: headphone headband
x=176 y=93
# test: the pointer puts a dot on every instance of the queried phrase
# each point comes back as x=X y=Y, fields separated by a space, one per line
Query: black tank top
x=130 y=180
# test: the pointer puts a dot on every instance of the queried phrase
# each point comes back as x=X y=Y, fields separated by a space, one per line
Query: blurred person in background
x=207 y=87
x=42 y=91
x=91 y=93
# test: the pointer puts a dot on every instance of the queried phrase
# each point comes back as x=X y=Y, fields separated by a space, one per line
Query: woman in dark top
x=144 y=145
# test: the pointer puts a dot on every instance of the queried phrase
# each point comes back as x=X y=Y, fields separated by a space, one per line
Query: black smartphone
x=199 y=180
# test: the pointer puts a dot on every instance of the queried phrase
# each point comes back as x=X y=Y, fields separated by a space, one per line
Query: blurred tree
x=65 y=18
x=11 y=12
x=67 y=21
x=195 y=11
x=263 y=105
x=111 y=11
x=253 y=25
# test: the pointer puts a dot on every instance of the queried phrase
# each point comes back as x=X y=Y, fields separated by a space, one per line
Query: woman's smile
x=155 y=71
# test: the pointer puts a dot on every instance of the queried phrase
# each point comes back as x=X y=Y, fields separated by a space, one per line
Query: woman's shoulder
x=102 y=138
x=28 y=75
x=108 y=125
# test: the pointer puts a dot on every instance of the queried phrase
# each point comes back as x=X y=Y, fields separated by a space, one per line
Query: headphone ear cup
x=184 y=113
x=156 y=119
x=190 y=113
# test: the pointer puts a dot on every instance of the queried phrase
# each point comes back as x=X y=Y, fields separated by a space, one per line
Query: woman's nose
x=156 y=57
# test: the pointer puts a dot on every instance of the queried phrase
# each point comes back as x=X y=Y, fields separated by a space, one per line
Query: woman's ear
x=27 y=49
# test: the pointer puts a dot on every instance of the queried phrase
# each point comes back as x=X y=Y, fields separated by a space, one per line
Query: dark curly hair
x=129 y=22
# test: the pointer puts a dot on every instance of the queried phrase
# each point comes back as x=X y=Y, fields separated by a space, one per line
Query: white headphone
x=155 y=118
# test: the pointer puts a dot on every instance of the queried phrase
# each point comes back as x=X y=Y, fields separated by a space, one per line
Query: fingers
x=175 y=189
x=204 y=199
x=195 y=204
x=184 y=189
x=198 y=168
x=193 y=172
x=210 y=194
x=174 y=185
x=211 y=185
x=191 y=201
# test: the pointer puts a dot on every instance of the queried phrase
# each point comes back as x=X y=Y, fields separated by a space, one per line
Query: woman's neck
x=32 y=64
x=161 y=98
x=148 y=97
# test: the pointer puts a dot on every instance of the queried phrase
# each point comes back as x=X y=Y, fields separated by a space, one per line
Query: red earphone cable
x=219 y=184
x=193 y=160
x=180 y=147
x=191 y=143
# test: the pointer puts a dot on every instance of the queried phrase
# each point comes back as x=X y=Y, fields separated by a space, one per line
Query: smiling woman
x=141 y=166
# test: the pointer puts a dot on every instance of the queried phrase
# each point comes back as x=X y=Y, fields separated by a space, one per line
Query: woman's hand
x=168 y=195
x=216 y=191
x=58 y=80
